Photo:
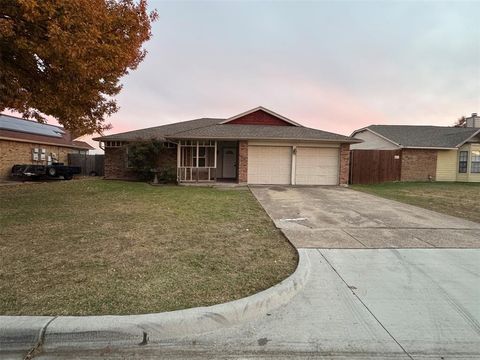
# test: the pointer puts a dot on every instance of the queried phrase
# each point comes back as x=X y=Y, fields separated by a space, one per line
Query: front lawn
x=457 y=199
x=107 y=247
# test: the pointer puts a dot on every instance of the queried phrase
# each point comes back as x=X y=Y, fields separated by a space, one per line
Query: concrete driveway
x=334 y=217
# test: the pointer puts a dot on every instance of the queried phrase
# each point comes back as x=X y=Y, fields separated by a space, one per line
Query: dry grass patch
x=457 y=199
x=105 y=247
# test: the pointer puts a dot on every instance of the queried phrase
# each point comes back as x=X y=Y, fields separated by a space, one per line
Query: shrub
x=143 y=159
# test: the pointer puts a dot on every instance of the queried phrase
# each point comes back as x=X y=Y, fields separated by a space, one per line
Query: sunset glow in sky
x=336 y=66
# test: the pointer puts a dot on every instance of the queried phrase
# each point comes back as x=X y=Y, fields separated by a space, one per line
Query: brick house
x=258 y=146
x=428 y=152
x=29 y=142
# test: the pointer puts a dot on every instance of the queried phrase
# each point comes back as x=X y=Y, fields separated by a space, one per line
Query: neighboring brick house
x=29 y=142
x=255 y=147
x=428 y=152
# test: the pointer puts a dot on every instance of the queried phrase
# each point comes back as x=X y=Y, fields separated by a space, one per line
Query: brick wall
x=260 y=118
x=15 y=152
x=418 y=164
x=344 y=164
x=242 y=161
x=116 y=163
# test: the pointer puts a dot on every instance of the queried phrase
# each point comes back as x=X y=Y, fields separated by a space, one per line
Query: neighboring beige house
x=429 y=152
x=29 y=142
x=258 y=146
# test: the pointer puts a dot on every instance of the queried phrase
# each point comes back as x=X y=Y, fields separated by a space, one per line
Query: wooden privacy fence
x=92 y=165
x=375 y=166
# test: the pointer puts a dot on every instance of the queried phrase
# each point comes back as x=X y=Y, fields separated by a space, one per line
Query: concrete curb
x=25 y=332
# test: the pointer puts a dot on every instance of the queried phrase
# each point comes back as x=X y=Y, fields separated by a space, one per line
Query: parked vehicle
x=56 y=170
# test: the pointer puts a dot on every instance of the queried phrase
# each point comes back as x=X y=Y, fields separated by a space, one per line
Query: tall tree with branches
x=461 y=122
x=65 y=58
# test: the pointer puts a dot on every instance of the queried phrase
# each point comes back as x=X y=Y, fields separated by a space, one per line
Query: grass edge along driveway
x=453 y=198
x=89 y=247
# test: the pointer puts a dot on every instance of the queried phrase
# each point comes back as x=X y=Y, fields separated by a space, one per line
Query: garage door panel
x=317 y=166
x=269 y=165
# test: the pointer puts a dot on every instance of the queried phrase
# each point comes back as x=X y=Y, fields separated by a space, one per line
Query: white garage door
x=316 y=166
x=269 y=165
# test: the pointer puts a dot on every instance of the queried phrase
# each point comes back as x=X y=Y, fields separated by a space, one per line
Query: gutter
x=429 y=148
x=46 y=143
x=174 y=139
x=351 y=141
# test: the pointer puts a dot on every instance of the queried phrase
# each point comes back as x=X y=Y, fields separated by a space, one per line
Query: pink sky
x=335 y=66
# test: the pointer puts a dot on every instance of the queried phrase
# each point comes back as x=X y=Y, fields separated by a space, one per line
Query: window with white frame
x=463 y=162
x=114 y=143
x=475 y=162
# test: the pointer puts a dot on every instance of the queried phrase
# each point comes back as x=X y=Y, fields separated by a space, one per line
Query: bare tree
x=461 y=122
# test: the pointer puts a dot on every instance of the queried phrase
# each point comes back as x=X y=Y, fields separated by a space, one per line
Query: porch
x=207 y=161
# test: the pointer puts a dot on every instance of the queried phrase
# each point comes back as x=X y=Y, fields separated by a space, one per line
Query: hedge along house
x=30 y=142
x=254 y=147
x=428 y=152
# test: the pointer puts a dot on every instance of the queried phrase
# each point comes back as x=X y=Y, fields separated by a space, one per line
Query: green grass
x=457 y=199
x=107 y=247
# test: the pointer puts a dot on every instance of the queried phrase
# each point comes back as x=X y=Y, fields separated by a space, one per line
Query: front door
x=229 y=163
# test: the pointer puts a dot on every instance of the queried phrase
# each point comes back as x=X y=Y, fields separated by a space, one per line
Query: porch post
x=179 y=163
x=196 y=157
x=196 y=160
x=294 y=165
x=215 y=162
x=215 y=157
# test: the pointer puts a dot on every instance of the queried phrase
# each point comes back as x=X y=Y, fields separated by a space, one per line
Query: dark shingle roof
x=237 y=131
x=424 y=136
x=212 y=129
x=159 y=132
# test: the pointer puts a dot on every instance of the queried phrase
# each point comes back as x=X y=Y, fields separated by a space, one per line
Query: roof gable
x=373 y=141
x=260 y=116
